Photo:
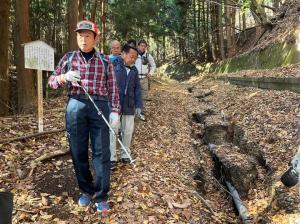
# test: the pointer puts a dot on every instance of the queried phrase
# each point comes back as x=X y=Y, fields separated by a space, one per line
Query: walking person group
x=116 y=85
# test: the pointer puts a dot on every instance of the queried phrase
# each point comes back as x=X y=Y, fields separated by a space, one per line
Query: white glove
x=138 y=111
x=72 y=76
x=114 y=118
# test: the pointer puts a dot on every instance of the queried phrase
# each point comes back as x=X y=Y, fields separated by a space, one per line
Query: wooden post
x=47 y=88
x=297 y=34
x=40 y=99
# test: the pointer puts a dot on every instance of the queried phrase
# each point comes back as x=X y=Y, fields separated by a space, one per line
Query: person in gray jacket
x=145 y=65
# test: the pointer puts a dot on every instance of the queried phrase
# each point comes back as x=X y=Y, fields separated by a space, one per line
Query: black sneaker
x=113 y=165
x=125 y=160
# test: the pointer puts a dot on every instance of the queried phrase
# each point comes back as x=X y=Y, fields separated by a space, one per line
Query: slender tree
x=230 y=28
x=221 y=32
x=103 y=21
x=4 y=44
x=81 y=13
x=26 y=90
x=94 y=9
x=72 y=19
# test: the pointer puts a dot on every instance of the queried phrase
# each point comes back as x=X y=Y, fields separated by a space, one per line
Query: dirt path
x=173 y=172
x=159 y=188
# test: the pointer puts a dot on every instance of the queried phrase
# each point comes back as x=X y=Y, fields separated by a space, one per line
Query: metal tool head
x=132 y=161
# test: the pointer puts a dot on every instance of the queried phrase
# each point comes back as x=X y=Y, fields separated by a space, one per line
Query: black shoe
x=113 y=165
x=125 y=160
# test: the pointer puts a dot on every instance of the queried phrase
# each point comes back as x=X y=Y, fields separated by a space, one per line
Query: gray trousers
x=144 y=87
x=126 y=126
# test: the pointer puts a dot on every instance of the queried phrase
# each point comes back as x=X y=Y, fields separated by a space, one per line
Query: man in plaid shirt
x=82 y=121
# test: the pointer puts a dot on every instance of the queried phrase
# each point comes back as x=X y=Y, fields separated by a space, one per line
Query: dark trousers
x=83 y=123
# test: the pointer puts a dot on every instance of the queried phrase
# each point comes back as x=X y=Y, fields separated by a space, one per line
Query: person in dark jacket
x=130 y=99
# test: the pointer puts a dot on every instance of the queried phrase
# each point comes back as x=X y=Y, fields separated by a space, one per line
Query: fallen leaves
x=268 y=118
x=157 y=188
x=185 y=204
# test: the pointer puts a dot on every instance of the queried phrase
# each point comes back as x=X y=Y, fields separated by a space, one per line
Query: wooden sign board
x=39 y=56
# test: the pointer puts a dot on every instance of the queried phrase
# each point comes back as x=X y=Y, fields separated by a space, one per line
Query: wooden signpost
x=39 y=56
x=297 y=35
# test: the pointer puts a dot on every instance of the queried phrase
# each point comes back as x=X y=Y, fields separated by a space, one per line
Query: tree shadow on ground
x=61 y=183
x=181 y=72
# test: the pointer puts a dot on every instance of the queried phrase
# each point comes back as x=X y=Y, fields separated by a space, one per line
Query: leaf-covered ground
x=270 y=119
x=172 y=178
x=158 y=188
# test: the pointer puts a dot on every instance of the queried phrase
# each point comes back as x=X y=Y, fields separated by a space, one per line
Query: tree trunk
x=209 y=52
x=258 y=12
x=38 y=26
x=72 y=19
x=244 y=25
x=26 y=90
x=204 y=32
x=93 y=10
x=164 y=48
x=214 y=36
x=221 y=33
x=200 y=30
x=157 y=50
x=196 y=40
x=80 y=10
x=4 y=62
x=230 y=29
x=183 y=27
x=103 y=20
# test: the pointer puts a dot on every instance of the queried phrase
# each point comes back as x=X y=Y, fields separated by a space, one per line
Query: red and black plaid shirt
x=92 y=75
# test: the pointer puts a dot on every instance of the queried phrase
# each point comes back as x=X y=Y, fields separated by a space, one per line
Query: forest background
x=177 y=30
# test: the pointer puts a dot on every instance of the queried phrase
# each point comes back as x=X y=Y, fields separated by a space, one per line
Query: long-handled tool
x=110 y=128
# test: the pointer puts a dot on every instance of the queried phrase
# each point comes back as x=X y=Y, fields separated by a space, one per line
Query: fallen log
x=5 y=141
x=47 y=156
x=51 y=155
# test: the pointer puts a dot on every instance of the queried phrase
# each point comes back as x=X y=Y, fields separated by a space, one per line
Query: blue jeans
x=83 y=123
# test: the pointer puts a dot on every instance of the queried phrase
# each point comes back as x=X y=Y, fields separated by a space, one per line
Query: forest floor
x=158 y=188
x=163 y=185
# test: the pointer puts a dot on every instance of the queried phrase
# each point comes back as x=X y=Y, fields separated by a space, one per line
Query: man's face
x=86 y=40
x=130 y=57
x=142 y=47
x=115 y=48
